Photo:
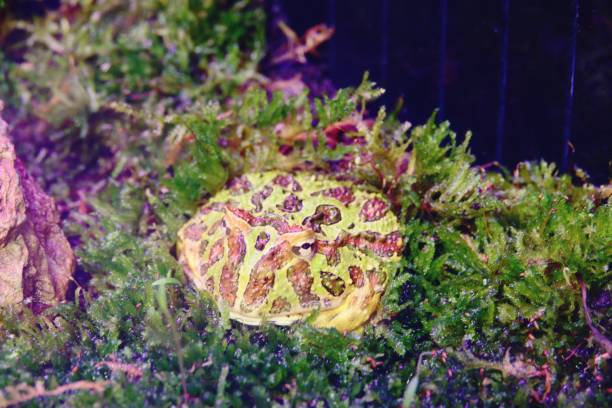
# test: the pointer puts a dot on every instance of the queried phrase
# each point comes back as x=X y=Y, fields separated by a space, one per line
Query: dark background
x=501 y=68
x=450 y=54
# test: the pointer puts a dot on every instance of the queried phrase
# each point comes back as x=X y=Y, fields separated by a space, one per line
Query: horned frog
x=279 y=246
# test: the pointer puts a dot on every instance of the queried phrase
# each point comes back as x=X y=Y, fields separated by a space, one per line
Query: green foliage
x=206 y=171
x=444 y=176
x=257 y=111
x=154 y=55
x=332 y=110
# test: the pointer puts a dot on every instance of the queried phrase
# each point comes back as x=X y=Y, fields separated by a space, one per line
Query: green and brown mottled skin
x=279 y=246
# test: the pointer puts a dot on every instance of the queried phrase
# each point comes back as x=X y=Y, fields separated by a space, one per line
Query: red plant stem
x=599 y=338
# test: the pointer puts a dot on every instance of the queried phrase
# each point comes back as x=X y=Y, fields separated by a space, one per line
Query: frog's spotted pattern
x=374 y=210
x=343 y=194
x=228 y=285
x=258 y=198
x=290 y=204
x=262 y=240
x=278 y=246
x=194 y=232
x=356 y=275
x=287 y=181
x=301 y=280
x=240 y=185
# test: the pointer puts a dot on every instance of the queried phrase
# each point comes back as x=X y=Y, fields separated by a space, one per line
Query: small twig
x=132 y=371
x=485 y=166
x=221 y=386
x=572 y=352
x=545 y=372
x=516 y=368
x=21 y=393
x=203 y=364
x=602 y=340
x=297 y=48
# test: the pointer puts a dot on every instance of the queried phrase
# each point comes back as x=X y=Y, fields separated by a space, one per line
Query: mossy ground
x=158 y=104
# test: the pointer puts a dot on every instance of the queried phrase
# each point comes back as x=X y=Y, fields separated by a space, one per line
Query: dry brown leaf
x=297 y=48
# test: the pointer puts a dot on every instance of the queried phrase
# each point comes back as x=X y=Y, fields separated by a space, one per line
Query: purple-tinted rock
x=36 y=261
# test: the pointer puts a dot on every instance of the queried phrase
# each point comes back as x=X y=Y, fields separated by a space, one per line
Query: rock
x=36 y=261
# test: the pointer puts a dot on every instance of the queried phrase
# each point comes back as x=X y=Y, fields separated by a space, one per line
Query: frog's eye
x=305 y=249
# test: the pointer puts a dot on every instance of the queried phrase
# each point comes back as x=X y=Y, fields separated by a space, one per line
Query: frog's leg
x=354 y=311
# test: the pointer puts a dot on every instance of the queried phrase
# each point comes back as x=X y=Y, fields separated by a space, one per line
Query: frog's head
x=300 y=240
x=304 y=239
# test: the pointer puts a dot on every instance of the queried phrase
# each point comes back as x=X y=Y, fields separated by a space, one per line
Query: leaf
x=333 y=110
x=166 y=281
x=410 y=396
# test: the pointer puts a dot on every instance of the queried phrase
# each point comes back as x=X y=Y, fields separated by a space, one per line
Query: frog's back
x=278 y=246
